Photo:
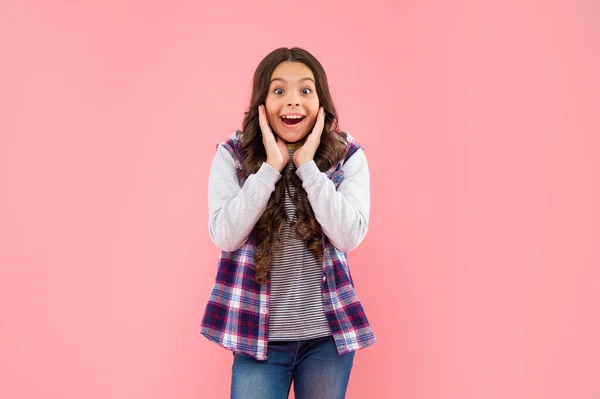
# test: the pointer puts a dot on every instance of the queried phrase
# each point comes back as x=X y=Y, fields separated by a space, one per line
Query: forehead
x=292 y=71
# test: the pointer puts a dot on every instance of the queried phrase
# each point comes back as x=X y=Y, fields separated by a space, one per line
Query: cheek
x=314 y=106
x=272 y=110
x=312 y=121
x=272 y=119
x=314 y=110
x=271 y=114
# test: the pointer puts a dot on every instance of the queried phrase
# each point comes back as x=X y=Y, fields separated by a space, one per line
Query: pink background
x=481 y=270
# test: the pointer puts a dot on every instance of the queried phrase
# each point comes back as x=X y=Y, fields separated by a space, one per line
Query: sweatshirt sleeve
x=234 y=211
x=342 y=214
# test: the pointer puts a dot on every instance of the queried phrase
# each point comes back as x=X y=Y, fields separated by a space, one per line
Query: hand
x=306 y=153
x=277 y=152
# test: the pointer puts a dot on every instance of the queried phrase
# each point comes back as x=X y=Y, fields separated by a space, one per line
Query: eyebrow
x=285 y=81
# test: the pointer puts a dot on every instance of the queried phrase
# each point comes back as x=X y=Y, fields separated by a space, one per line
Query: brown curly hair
x=333 y=147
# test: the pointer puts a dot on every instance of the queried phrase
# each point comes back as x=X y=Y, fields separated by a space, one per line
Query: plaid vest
x=237 y=314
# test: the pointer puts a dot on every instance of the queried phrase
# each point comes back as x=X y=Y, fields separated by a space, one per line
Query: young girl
x=288 y=198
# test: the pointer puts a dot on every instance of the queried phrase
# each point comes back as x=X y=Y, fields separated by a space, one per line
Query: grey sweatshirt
x=233 y=211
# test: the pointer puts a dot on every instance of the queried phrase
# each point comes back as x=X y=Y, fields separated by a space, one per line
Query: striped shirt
x=237 y=314
x=296 y=277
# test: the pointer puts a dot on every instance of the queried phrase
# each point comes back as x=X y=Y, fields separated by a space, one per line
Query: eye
x=306 y=91
x=278 y=91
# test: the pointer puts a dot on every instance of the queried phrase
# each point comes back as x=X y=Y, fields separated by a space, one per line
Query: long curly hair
x=333 y=147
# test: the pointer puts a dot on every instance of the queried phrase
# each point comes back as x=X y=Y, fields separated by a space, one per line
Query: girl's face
x=292 y=103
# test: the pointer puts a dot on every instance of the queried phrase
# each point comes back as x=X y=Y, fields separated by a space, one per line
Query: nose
x=293 y=99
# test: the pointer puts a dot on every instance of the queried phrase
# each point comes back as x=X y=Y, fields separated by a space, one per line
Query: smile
x=291 y=120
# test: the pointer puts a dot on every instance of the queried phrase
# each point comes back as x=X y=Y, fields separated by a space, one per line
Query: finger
x=261 y=115
x=264 y=124
x=320 y=123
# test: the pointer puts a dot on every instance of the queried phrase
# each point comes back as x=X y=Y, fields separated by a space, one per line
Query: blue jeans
x=315 y=366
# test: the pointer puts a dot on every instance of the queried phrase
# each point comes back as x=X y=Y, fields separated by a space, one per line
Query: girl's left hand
x=306 y=153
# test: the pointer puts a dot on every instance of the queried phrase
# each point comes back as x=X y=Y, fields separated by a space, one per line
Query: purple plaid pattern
x=237 y=314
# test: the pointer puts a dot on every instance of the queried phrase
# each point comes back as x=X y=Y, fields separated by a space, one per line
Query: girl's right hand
x=277 y=152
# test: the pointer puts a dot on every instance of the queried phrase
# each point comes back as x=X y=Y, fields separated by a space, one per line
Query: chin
x=293 y=138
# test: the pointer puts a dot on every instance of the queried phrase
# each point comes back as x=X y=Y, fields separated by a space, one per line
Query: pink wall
x=481 y=271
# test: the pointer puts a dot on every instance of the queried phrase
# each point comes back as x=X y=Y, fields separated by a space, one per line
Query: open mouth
x=291 y=120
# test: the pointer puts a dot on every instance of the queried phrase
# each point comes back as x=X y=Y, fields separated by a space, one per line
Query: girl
x=288 y=197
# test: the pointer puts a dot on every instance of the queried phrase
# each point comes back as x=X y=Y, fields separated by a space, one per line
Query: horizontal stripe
x=296 y=305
